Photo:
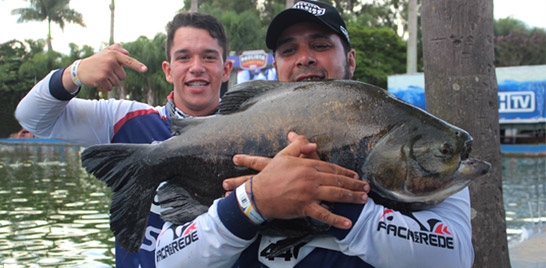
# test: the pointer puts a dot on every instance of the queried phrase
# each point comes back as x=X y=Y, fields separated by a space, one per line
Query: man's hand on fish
x=104 y=69
x=294 y=183
x=258 y=163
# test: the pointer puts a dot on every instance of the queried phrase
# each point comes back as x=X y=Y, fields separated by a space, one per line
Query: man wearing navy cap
x=310 y=42
x=316 y=12
x=317 y=31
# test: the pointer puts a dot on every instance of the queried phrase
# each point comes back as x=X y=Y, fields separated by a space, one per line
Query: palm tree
x=194 y=4
x=56 y=11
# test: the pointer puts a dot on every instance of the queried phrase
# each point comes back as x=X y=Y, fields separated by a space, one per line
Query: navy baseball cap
x=306 y=11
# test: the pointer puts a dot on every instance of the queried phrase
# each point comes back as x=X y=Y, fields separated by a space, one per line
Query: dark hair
x=199 y=21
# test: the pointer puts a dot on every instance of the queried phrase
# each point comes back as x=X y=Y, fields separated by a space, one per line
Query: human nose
x=197 y=67
x=305 y=57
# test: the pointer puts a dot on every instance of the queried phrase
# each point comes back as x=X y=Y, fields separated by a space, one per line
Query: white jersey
x=380 y=237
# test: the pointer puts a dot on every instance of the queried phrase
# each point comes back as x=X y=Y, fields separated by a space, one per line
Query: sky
x=137 y=17
x=133 y=18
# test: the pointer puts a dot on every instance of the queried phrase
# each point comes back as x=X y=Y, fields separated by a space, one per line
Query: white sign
x=516 y=102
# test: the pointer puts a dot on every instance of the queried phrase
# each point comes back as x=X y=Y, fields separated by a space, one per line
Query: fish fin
x=179 y=124
x=238 y=98
x=121 y=167
x=281 y=246
x=177 y=205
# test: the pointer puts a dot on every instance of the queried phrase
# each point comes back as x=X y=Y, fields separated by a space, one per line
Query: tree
x=194 y=5
x=516 y=45
x=21 y=66
x=242 y=30
x=270 y=8
x=151 y=86
x=13 y=54
x=379 y=53
x=412 y=38
x=377 y=13
x=56 y=11
x=461 y=88
x=237 y=6
x=112 y=8
x=289 y=3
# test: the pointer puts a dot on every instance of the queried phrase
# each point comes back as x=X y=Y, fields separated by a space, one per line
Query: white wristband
x=74 y=73
x=247 y=207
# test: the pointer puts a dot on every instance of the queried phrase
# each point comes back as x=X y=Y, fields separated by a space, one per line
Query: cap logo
x=311 y=8
x=345 y=32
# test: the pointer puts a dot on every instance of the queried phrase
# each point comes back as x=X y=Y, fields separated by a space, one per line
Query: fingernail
x=365 y=198
x=225 y=185
x=236 y=159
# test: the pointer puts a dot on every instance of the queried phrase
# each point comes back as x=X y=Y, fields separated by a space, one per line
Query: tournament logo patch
x=253 y=59
x=432 y=233
x=182 y=236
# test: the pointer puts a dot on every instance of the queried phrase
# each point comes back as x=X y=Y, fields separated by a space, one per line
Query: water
x=52 y=214
x=524 y=194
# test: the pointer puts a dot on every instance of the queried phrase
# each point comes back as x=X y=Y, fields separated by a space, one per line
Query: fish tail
x=124 y=169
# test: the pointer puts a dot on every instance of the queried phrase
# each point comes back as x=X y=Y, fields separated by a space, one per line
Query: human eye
x=286 y=50
x=182 y=57
x=321 y=46
x=210 y=57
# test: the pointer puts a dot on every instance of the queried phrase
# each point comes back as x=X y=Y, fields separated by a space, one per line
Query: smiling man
x=310 y=42
x=196 y=66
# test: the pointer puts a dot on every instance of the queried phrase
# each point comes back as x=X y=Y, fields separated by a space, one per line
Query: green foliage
x=378 y=13
x=16 y=70
x=517 y=45
x=379 y=53
x=12 y=53
x=151 y=86
x=269 y=8
x=506 y=25
x=242 y=30
x=237 y=6
x=40 y=64
x=56 y=11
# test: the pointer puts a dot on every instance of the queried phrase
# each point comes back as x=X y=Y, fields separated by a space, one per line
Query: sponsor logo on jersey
x=432 y=233
x=183 y=236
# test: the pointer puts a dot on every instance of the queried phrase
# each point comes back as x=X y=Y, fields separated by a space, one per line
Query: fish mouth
x=474 y=167
x=471 y=167
x=465 y=154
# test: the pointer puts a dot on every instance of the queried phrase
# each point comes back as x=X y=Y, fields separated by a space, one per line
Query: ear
x=166 y=66
x=228 y=66
x=351 y=61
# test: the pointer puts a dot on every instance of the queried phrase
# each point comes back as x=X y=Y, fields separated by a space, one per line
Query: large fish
x=412 y=159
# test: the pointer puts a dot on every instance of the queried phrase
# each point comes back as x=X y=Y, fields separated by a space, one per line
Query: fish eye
x=446 y=149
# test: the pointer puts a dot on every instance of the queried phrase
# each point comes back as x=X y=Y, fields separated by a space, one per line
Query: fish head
x=422 y=163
